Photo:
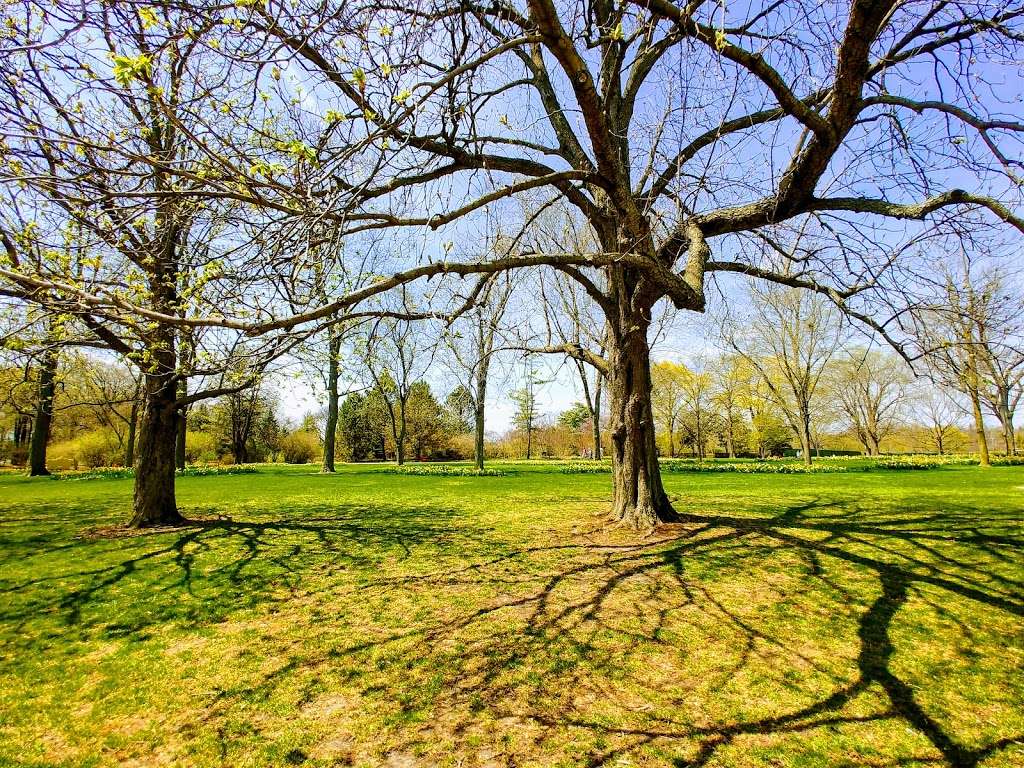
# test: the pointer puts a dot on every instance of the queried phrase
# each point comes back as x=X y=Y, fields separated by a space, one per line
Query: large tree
x=118 y=212
x=681 y=134
x=676 y=131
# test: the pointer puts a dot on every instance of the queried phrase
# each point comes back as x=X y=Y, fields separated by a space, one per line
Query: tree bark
x=331 y=426
x=400 y=443
x=478 y=430
x=44 y=415
x=154 y=470
x=979 y=429
x=1005 y=415
x=596 y=415
x=804 y=433
x=639 y=499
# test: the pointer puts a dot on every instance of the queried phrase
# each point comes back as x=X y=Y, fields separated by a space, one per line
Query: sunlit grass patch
x=376 y=619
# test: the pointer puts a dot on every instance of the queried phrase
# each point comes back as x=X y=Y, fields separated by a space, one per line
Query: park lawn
x=382 y=620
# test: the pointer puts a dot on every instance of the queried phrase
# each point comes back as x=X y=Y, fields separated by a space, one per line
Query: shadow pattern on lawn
x=948 y=551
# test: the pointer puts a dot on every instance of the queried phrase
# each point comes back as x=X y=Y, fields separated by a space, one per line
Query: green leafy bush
x=300 y=447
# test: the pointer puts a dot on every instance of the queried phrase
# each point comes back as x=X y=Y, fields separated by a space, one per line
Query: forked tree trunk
x=44 y=415
x=331 y=426
x=639 y=499
x=154 y=469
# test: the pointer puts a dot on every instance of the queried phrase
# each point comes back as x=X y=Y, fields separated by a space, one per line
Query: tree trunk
x=639 y=499
x=154 y=470
x=1006 y=422
x=479 y=408
x=478 y=434
x=331 y=427
x=805 y=437
x=979 y=429
x=44 y=415
x=400 y=438
x=596 y=415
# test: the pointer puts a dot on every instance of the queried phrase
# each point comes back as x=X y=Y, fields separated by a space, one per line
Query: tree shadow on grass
x=520 y=632
x=901 y=553
x=227 y=564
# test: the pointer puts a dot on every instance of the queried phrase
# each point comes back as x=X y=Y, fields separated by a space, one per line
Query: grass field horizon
x=373 y=619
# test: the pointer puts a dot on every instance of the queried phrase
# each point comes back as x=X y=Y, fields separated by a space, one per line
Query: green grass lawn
x=384 y=620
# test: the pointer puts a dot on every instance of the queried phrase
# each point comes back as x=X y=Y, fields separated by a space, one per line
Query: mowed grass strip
x=375 y=619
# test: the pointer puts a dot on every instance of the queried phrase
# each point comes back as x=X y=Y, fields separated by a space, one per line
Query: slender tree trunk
x=44 y=414
x=1006 y=422
x=398 y=430
x=331 y=427
x=596 y=414
x=478 y=434
x=154 y=469
x=479 y=408
x=805 y=437
x=979 y=429
x=639 y=499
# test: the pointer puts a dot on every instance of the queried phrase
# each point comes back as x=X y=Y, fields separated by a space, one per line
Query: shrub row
x=690 y=465
x=114 y=473
x=443 y=469
x=823 y=466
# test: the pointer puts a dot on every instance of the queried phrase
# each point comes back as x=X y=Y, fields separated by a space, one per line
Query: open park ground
x=374 y=619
